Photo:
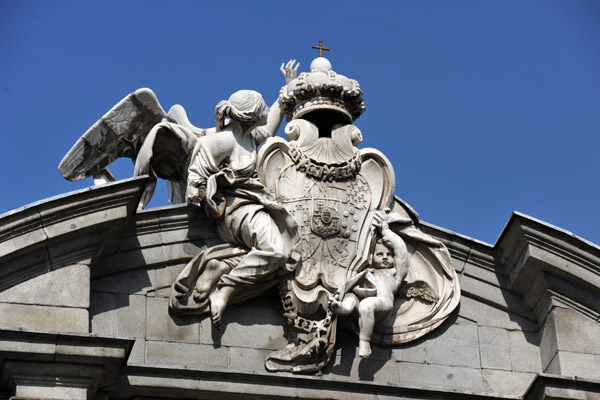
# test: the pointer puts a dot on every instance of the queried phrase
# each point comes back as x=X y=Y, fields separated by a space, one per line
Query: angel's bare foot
x=199 y=297
x=218 y=302
x=364 y=349
x=213 y=271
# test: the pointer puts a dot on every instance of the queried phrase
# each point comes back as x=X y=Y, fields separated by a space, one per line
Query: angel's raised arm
x=289 y=71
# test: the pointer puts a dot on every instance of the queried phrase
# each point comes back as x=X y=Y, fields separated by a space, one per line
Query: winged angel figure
x=160 y=144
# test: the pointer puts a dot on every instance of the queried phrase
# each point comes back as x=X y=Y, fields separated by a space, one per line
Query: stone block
x=186 y=354
x=525 y=351
x=243 y=359
x=66 y=287
x=131 y=282
x=486 y=275
x=61 y=319
x=567 y=363
x=33 y=380
x=380 y=367
x=306 y=392
x=102 y=313
x=494 y=348
x=506 y=383
x=138 y=352
x=503 y=299
x=486 y=315
x=458 y=264
x=13 y=346
x=458 y=345
x=575 y=332
x=410 y=352
x=130 y=315
x=161 y=325
x=19 y=230
x=68 y=347
x=548 y=342
x=167 y=275
x=441 y=376
x=248 y=326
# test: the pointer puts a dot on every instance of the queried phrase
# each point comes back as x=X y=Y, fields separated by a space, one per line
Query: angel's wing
x=119 y=133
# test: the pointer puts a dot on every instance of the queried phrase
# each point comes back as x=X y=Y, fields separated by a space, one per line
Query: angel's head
x=244 y=106
x=383 y=255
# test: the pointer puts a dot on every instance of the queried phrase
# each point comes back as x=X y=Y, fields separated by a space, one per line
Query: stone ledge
x=177 y=383
x=64 y=230
x=51 y=347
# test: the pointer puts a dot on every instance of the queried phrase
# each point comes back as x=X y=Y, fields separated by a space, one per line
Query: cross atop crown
x=321 y=48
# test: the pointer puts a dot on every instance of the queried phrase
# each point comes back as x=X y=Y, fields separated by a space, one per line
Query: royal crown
x=322 y=89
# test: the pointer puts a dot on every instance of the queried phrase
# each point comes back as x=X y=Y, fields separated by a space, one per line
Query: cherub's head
x=383 y=256
x=244 y=106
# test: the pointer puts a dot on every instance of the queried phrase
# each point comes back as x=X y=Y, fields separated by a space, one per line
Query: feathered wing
x=137 y=127
x=119 y=133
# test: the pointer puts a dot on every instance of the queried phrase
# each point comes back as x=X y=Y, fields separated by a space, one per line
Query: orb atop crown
x=322 y=90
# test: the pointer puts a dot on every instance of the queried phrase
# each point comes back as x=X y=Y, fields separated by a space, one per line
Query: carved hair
x=244 y=106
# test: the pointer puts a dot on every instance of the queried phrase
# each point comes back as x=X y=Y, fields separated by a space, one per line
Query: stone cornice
x=549 y=266
x=64 y=230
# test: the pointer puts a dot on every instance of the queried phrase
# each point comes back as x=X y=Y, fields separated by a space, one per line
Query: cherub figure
x=373 y=296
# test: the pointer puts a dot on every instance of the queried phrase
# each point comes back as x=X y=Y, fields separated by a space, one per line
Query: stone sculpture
x=312 y=214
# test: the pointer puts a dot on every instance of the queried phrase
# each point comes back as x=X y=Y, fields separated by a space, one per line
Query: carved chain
x=323 y=171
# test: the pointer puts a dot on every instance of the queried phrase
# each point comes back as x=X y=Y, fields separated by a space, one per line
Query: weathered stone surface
x=575 y=332
x=138 y=352
x=502 y=299
x=20 y=229
x=60 y=319
x=130 y=315
x=506 y=383
x=414 y=352
x=246 y=326
x=165 y=278
x=67 y=287
x=525 y=351
x=34 y=380
x=199 y=355
x=131 y=282
x=160 y=325
x=494 y=348
x=458 y=345
x=102 y=313
x=441 y=376
x=575 y=364
x=244 y=359
x=486 y=274
x=486 y=315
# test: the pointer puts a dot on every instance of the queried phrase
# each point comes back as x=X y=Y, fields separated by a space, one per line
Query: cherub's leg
x=344 y=307
x=218 y=301
x=366 y=323
x=368 y=310
x=213 y=270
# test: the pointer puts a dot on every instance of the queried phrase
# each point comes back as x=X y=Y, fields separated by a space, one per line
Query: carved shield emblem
x=325 y=217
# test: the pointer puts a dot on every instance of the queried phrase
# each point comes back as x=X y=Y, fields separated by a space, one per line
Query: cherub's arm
x=394 y=241
x=275 y=117
x=400 y=253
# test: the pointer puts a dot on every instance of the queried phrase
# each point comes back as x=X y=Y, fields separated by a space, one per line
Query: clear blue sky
x=483 y=107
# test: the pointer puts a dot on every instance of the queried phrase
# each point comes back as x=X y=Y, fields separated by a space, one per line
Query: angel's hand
x=196 y=194
x=289 y=71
